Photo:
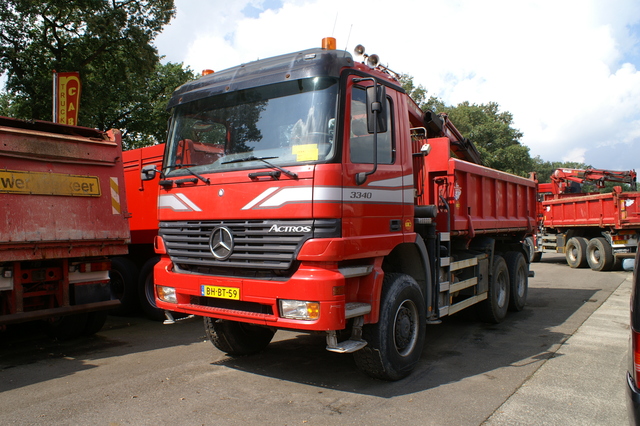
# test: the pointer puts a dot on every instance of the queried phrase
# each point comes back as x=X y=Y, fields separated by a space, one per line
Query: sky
x=567 y=70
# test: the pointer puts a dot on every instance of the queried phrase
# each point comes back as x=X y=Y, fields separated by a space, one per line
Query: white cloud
x=564 y=68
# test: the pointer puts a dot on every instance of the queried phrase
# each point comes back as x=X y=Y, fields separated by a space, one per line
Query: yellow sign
x=66 y=97
x=19 y=182
x=308 y=152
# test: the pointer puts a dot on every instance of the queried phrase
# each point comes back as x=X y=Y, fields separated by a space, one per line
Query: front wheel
x=146 y=293
x=494 y=308
x=124 y=280
x=237 y=338
x=395 y=342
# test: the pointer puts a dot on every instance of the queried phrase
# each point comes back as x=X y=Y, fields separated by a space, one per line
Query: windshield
x=286 y=123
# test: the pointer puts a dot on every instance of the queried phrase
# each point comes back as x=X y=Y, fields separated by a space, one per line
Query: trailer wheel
x=518 y=280
x=68 y=327
x=576 y=252
x=237 y=338
x=600 y=254
x=494 y=308
x=95 y=322
x=395 y=342
x=124 y=285
x=146 y=291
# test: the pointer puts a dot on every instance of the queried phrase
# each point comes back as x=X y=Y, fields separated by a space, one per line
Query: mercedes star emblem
x=221 y=243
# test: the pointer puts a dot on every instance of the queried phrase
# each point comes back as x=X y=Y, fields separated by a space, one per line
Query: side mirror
x=376 y=100
x=148 y=173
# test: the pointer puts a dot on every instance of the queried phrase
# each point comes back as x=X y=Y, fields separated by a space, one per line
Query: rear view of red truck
x=64 y=214
x=598 y=230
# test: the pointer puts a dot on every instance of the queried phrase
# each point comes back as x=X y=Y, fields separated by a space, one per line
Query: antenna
x=348 y=37
x=334 y=25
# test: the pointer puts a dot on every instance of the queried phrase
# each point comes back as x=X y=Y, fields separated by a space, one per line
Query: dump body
x=63 y=204
x=481 y=200
x=616 y=210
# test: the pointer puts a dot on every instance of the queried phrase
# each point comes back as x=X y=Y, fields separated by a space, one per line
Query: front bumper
x=259 y=299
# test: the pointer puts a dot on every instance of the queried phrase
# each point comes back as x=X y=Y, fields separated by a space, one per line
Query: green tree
x=109 y=42
x=490 y=129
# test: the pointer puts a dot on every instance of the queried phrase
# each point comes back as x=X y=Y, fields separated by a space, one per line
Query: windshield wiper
x=186 y=167
x=289 y=173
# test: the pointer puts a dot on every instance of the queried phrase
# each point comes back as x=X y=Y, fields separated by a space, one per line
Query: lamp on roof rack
x=371 y=60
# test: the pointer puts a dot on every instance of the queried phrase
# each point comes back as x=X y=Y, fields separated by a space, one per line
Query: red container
x=480 y=200
x=613 y=210
x=61 y=192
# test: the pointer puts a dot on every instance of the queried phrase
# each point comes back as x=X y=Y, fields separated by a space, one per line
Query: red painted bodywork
x=142 y=196
x=482 y=201
x=44 y=234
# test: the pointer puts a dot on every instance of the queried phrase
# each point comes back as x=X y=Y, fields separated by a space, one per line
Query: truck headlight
x=300 y=310
x=167 y=294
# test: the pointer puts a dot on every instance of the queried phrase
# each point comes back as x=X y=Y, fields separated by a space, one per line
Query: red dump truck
x=132 y=275
x=308 y=192
x=64 y=215
x=593 y=229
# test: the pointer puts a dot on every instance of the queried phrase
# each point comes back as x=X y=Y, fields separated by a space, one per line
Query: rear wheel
x=68 y=327
x=600 y=254
x=576 y=252
x=237 y=338
x=518 y=280
x=95 y=322
x=494 y=308
x=395 y=342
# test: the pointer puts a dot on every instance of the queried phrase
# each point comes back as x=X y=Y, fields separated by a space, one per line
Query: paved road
x=560 y=361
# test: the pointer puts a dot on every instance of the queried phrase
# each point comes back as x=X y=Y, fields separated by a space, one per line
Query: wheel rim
x=405 y=330
x=502 y=281
x=573 y=253
x=520 y=281
x=117 y=284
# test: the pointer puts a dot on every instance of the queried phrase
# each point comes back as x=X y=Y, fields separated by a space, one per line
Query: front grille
x=259 y=245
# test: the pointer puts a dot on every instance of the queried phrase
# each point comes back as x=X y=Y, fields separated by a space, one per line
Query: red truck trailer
x=64 y=215
x=598 y=230
x=308 y=192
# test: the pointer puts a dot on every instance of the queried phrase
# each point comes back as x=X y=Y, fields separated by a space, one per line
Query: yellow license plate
x=221 y=292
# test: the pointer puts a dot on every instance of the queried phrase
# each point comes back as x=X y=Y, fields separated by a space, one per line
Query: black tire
x=536 y=257
x=529 y=248
x=518 y=280
x=146 y=291
x=494 y=308
x=600 y=254
x=395 y=342
x=124 y=285
x=576 y=252
x=237 y=338
x=68 y=327
x=95 y=322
